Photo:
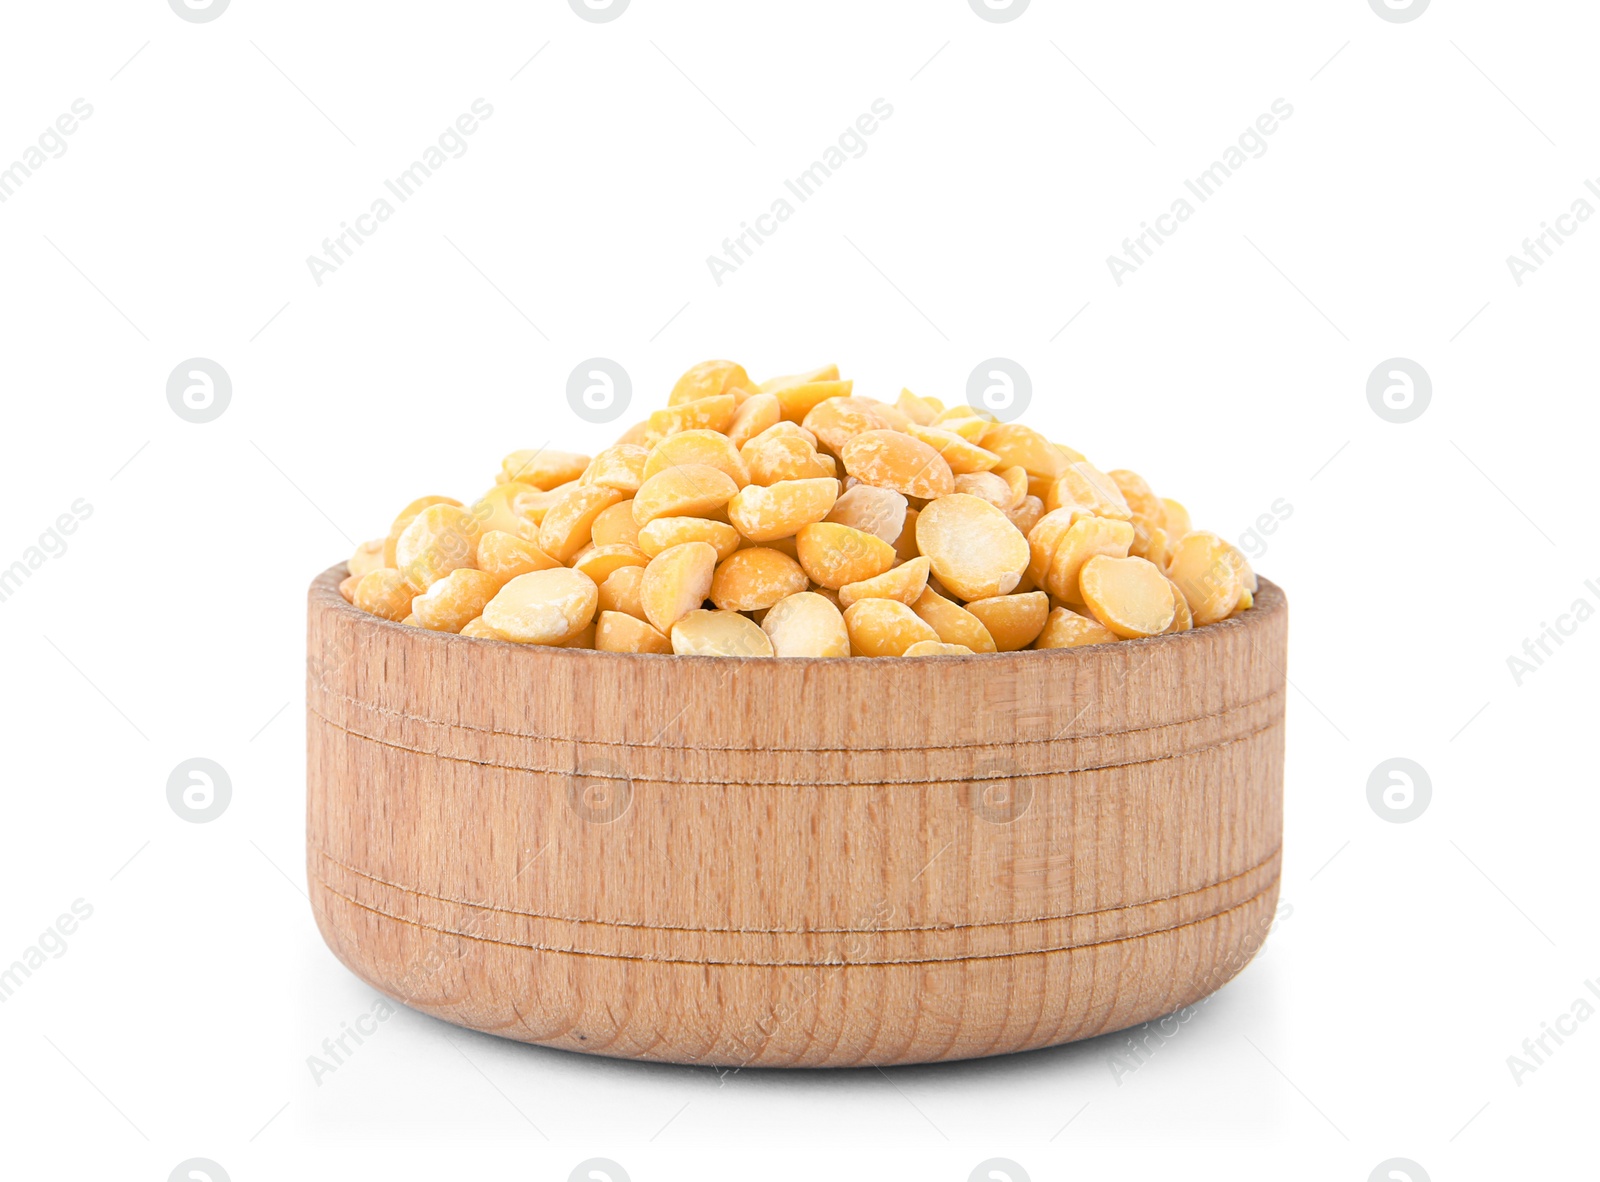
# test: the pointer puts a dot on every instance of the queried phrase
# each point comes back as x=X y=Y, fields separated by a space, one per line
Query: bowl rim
x=1269 y=600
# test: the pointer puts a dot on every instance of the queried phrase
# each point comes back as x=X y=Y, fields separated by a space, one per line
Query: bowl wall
x=798 y=862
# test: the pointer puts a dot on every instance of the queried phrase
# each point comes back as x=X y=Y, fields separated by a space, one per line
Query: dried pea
x=584 y=639
x=1016 y=478
x=834 y=554
x=975 y=550
x=1085 y=538
x=709 y=414
x=532 y=504
x=1144 y=531
x=962 y=455
x=755 y=578
x=896 y=418
x=1243 y=563
x=602 y=562
x=877 y=511
x=385 y=593
x=405 y=517
x=1175 y=518
x=1130 y=596
x=1045 y=536
x=919 y=410
x=905 y=582
x=764 y=514
x=676 y=582
x=781 y=452
x=890 y=459
x=965 y=423
x=440 y=539
x=952 y=623
x=828 y=373
x=544 y=607
x=937 y=648
x=665 y=532
x=787 y=428
x=836 y=421
x=986 y=486
x=697 y=447
x=455 y=600
x=621 y=592
x=505 y=556
x=1136 y=493
x=884 y=628
x=806 y=625
x=1182 y=618
x=691 y=490
x=1155 y=546
x=963 y=411
x=1026 y=515
x=615 y=526
x=620 y=466
x=755 y=415
x=707 y=379
x=798 y=398
x=1012 y=621
x=369 y=556
x=481 y=630
x=719 y=634
x=1083 y=486
x=568 y=523
x=618 y=632
x=497 y=510
x=1208 y=576
x=1067 y=629
x=905 y=546
x=1025 y=447
x=542 y=469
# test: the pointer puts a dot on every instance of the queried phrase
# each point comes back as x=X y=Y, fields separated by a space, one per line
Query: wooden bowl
x=796 y=863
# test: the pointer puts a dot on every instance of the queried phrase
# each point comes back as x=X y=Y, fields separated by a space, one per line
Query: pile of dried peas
x=792 y=518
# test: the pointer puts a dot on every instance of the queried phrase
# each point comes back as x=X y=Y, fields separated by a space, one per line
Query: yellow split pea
x=806 y=625
x=617 y=632
x=975 y=550
x=544 y=607
x=756 y=578
x=780 y=510
x=676 y=582
x=884 y=628
x=833 y=554
x=798 y=517
x=719 y=634
x=1130 y=596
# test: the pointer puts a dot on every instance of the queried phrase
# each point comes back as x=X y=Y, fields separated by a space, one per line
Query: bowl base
x=826 y=1015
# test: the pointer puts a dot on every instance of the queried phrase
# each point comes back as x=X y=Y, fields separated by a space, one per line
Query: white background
x=1411 y=959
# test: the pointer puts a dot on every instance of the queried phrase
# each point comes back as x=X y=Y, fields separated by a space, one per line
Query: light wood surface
x=805 y=863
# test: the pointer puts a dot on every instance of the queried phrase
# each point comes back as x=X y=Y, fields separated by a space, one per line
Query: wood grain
x=808 y=863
